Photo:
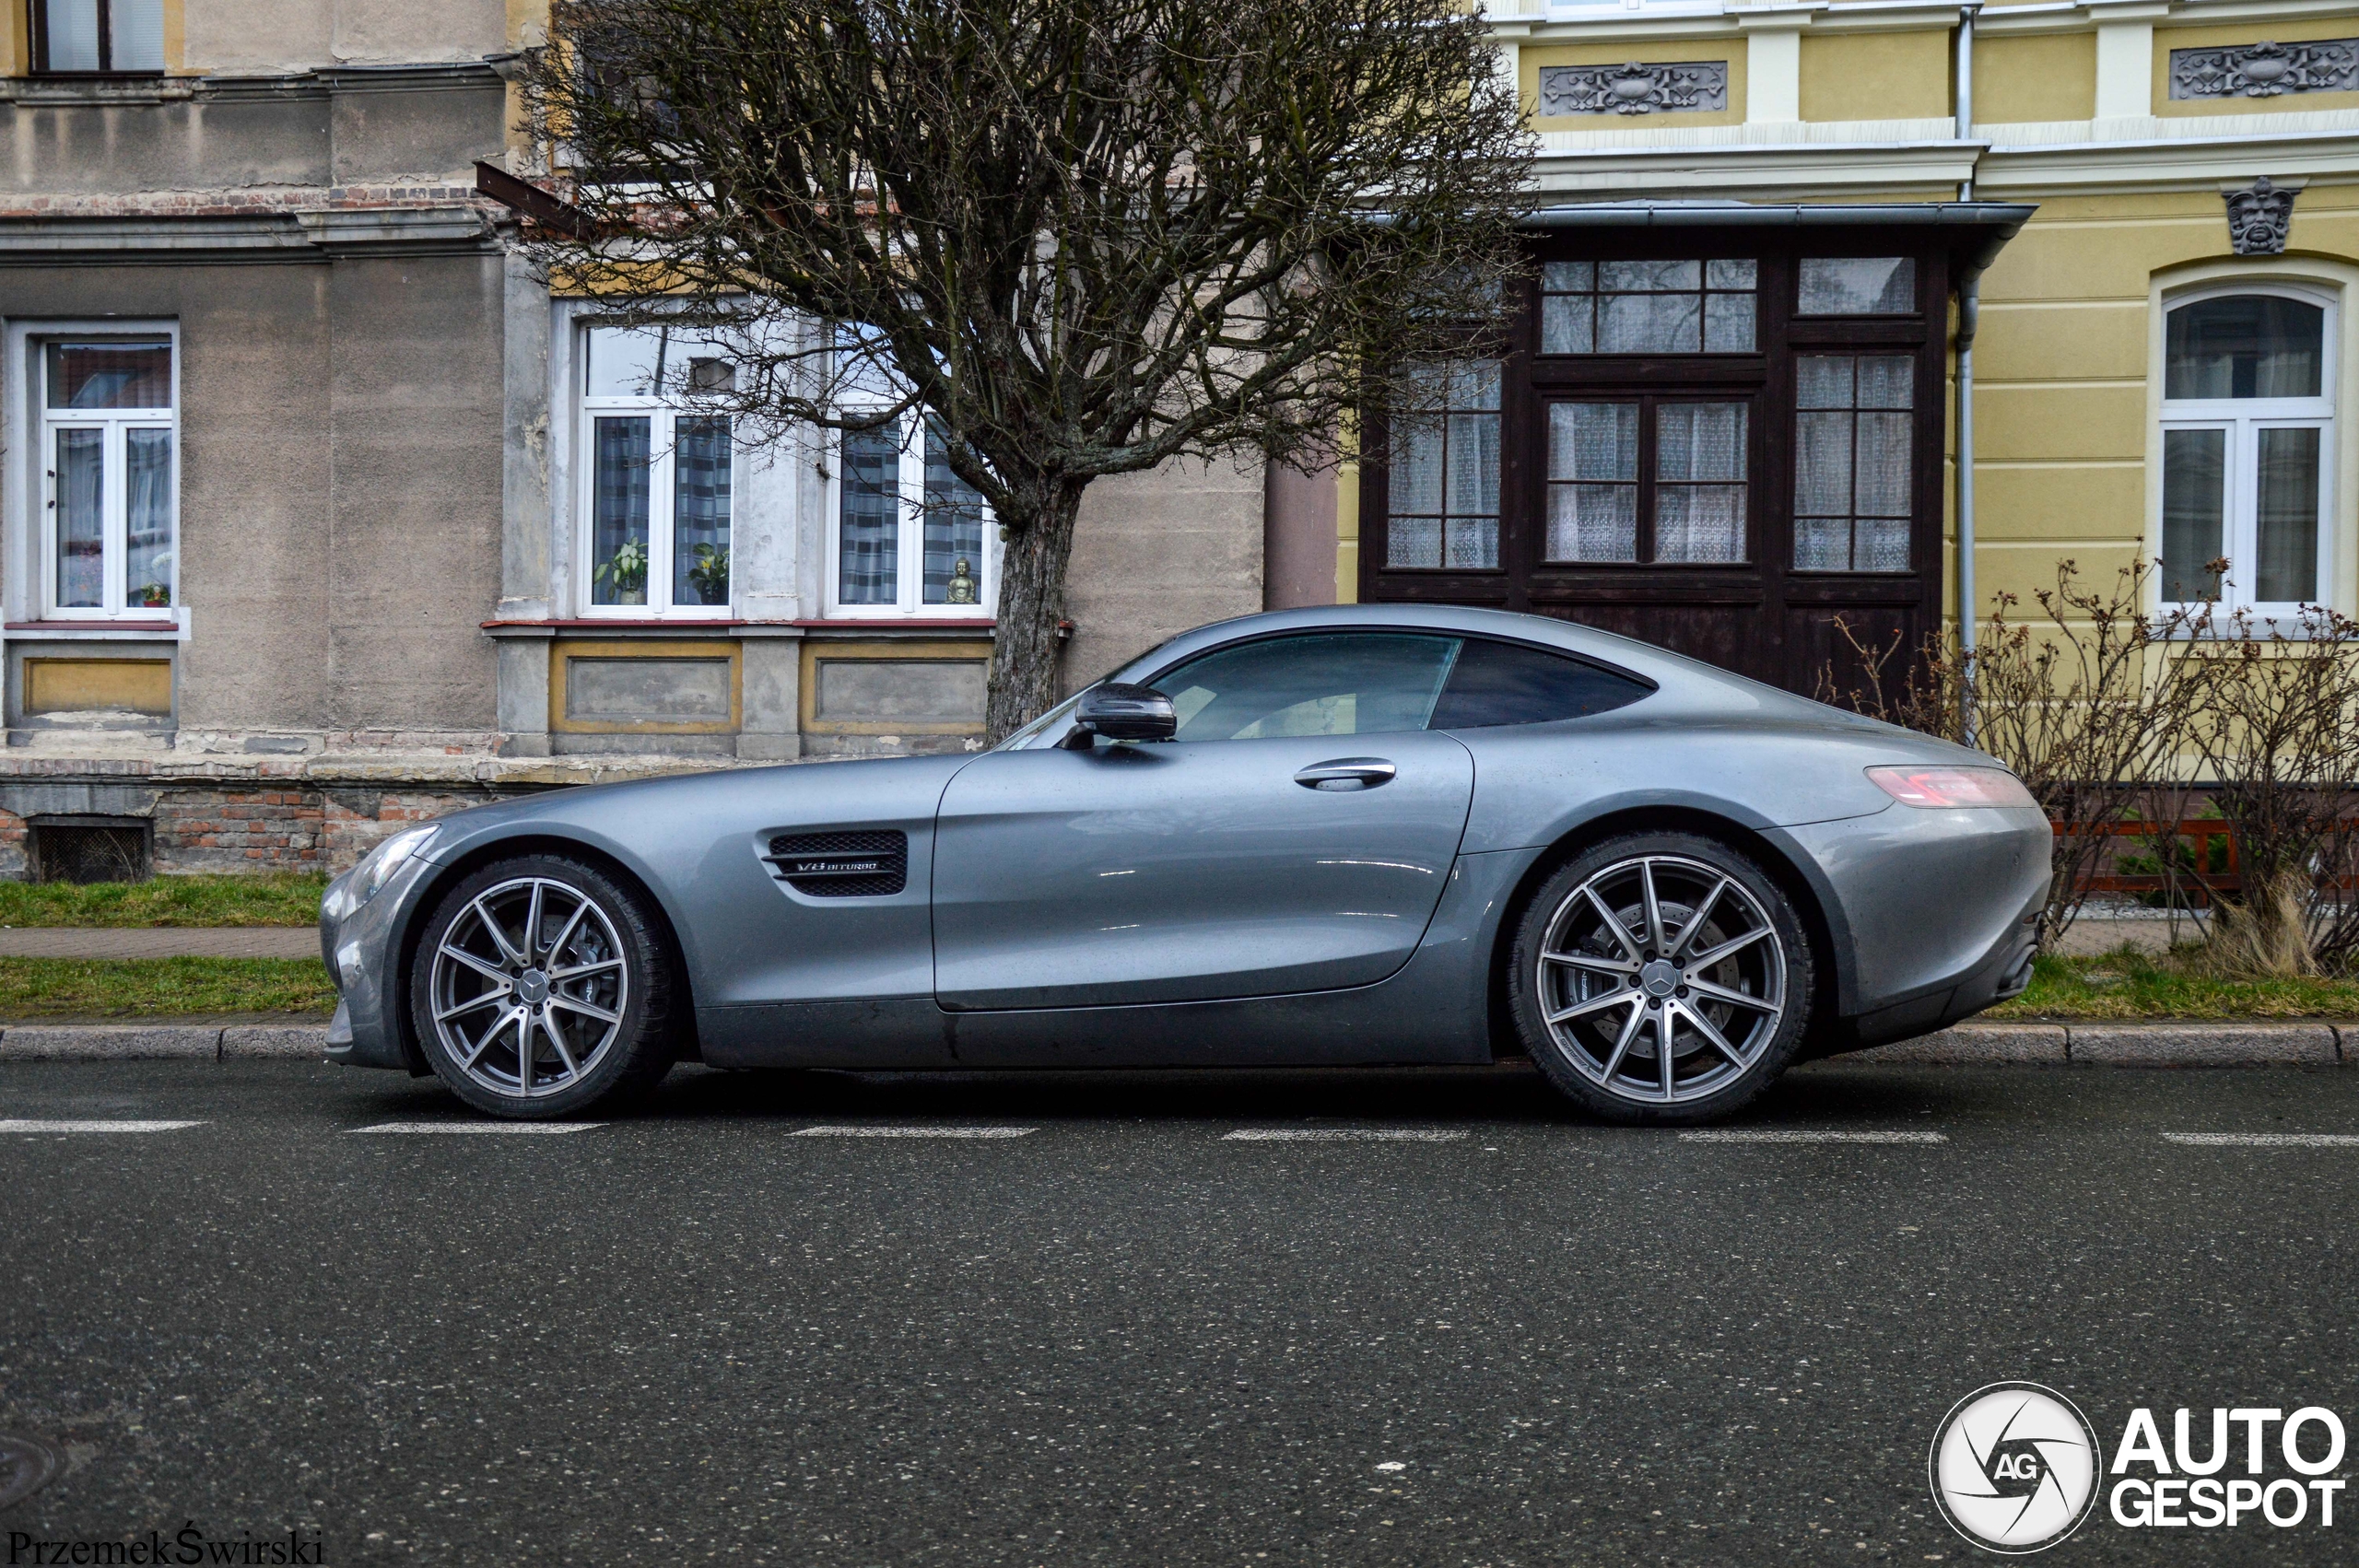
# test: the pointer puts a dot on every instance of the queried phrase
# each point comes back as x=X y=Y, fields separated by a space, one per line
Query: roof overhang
x=1975 y=230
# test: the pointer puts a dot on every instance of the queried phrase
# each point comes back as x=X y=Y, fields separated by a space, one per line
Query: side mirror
x=1120 y=713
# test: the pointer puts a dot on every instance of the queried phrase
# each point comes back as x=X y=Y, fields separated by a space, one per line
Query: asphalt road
x=1126 y=1337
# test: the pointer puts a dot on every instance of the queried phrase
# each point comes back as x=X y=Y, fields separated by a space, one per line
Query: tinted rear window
x=1506 y=683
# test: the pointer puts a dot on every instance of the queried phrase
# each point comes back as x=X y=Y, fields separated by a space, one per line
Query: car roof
x=1688 y=677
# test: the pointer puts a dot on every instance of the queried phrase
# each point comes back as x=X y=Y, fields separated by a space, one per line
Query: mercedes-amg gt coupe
x=1361 y=834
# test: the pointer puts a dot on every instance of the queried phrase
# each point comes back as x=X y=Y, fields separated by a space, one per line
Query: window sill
x=978 y=625
x=98 y=631
x=907 y=622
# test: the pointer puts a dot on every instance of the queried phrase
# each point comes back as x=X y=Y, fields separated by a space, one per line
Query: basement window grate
x=842 y=865
x=89 y=850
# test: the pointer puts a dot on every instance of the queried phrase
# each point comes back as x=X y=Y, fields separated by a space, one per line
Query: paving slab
x=159 y=941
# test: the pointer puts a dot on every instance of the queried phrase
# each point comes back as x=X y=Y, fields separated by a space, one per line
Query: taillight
x=1944 y=787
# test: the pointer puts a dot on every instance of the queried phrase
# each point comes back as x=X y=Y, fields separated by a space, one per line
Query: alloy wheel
x=529 y=986
x=1661 y=980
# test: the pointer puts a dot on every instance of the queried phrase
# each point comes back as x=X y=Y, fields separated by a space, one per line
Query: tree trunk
x=1031 y=603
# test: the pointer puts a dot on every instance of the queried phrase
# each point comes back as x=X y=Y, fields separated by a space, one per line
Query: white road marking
x=913 y=1132
x=1339 y=1135
x=481 y=1127
x=37 y=1126
x=2266 y=1140
x=1748 y=1135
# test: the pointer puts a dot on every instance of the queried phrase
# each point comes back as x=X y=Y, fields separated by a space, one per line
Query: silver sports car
x=1358 y=834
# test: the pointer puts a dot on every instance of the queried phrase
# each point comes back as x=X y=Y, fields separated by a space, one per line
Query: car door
x=1294 y=835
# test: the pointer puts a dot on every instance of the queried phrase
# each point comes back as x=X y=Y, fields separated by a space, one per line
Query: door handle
x=1347 y=773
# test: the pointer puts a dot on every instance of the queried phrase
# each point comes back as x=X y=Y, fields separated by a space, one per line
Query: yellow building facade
x=2144 y=212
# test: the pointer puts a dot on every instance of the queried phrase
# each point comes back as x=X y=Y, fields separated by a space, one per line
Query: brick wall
x=284 y=828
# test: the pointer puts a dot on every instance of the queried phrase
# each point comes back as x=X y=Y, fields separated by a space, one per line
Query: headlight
x=1936 y=788
x=379 y=865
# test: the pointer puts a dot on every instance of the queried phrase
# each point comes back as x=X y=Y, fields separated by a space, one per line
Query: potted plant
x=709 y=574
x=626 y=571
x=152 y=596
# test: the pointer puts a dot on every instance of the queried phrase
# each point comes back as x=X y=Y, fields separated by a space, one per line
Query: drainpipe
x=1966 y=14
x=1969 y=310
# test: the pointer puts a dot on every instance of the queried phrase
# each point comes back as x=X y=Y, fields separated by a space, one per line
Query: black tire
x=1608 y=998
x=596 y=996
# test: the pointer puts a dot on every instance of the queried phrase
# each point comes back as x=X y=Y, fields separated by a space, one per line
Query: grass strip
x=2128 y=984
x=162 y=987
x=262 y=898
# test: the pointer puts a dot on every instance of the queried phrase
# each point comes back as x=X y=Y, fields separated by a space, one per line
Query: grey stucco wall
x=197 y=139
x=265 y=35
x=340 y=481
x=415 y=514
x=1157 y=553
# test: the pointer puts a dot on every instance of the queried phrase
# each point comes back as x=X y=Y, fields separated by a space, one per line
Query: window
x=656 y=514
x=1442 y=487
x=1857 y=285
x=73 y=37
x=1647 y=479
x=1508 y=683
x=2247 y=418
x=910 y=533
x=1332 y=684
x=1852 y=469
x=1679 y=307
x=111 y=498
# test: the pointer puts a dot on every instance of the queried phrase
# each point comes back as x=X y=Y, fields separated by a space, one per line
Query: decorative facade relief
x=2265 y=69
x=2259 y=219
x=1688 y=87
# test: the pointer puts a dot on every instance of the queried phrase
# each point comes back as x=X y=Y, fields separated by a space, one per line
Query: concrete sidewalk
x=159 y=941
x=2208 y=1044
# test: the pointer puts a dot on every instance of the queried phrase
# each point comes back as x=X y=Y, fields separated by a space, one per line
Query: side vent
x=842 y=865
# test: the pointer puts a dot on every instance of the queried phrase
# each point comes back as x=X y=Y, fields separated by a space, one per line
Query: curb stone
x=1979 y=1045
x=107 y=1043
x=2205 y=1044
x=256 y=1041
x=2176 y=1044
x=101 y=1042
x=2170 y=1043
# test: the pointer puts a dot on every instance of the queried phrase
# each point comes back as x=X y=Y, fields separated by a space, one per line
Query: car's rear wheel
x=1660 y=978
x=541 y=989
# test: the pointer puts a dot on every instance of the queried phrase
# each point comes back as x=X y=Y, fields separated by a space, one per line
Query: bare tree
x=1081 y=236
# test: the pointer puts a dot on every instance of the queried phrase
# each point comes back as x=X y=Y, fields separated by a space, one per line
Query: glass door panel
x=2195 y=479
x=81 y=500
x=2285 y=515
x=618 y=512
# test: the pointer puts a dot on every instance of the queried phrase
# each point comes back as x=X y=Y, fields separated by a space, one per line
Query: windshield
x=1047 y=730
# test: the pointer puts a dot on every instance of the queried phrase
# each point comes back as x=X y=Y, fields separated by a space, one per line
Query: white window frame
x=115 y=520
x=662 y=415
x=908 y=602
x=2243 y=420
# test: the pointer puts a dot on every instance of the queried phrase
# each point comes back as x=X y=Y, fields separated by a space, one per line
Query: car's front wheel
x=541 y=989
x=1660 y=978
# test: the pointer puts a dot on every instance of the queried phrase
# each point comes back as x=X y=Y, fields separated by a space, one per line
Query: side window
x=1505 y=682
x=1334 y=684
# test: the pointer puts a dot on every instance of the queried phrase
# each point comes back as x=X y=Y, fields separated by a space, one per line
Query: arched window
x=2248 y=438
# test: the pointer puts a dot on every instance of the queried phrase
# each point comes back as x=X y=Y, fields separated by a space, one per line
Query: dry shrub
x=2274 y=738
